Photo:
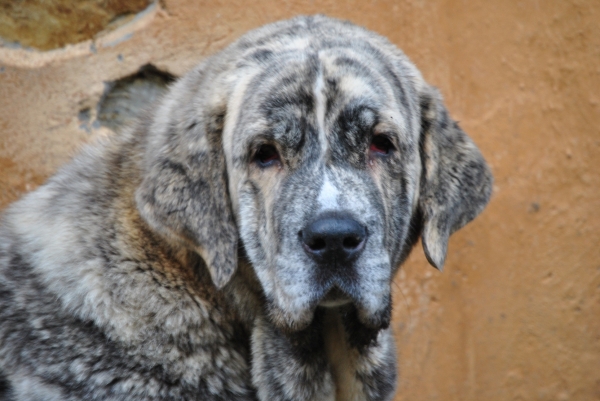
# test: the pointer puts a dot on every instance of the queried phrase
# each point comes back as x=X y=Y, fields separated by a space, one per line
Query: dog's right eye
x=266 y=156
x=381 y=145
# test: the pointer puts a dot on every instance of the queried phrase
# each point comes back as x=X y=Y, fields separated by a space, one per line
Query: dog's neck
x=342 y=358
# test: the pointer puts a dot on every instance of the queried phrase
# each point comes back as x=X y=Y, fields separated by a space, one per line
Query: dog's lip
x=334 y=297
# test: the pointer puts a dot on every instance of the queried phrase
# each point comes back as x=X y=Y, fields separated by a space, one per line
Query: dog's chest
x=342 y=359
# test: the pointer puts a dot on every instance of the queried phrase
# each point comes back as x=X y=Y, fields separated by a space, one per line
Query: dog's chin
x=293 y=321
x=288 y=322
x=335 y=298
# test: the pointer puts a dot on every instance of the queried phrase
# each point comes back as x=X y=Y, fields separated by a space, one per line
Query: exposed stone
x=46 y=25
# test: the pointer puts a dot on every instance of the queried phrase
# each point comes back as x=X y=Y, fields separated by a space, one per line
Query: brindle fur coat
x=239 y=243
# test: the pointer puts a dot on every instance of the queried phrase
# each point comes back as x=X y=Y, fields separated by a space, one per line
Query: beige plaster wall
x=516 y=313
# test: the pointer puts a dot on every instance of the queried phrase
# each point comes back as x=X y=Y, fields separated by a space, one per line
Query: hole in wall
x=125 y=99
x=84 y=117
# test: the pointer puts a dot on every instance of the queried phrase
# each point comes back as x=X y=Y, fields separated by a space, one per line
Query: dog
x=240 y=241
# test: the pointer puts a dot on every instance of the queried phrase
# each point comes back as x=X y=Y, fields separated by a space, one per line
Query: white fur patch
x=28 y=387
x=320 y=110
x=328 y=197
x=234 y=107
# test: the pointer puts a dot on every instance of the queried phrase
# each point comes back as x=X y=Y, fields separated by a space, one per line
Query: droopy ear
x=456 y=182
x=183 y=194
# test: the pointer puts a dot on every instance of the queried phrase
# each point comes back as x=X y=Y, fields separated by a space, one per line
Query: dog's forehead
x=300 y=91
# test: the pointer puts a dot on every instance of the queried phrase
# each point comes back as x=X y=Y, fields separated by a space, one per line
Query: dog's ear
x=183 y=194
x=456 y=182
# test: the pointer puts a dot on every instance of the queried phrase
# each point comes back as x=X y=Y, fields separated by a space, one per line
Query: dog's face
x=327 y=154
x=323 y=171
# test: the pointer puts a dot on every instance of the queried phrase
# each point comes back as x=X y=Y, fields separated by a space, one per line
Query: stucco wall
x=516 y=313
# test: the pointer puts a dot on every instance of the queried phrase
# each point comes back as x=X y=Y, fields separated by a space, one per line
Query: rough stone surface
x=46 y=25
x=515 y=314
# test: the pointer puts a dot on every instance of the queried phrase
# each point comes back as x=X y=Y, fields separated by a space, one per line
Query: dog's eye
x=266 y=156
x=381 y=144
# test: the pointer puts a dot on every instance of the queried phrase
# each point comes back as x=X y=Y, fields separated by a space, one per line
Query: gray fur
x=165 y=264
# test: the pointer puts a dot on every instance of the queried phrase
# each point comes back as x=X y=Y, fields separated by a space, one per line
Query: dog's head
x=319 y=145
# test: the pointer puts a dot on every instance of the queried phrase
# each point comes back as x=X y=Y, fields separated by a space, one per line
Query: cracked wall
x=514 y=315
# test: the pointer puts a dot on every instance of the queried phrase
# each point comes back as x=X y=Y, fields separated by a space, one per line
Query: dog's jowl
x=239 y=243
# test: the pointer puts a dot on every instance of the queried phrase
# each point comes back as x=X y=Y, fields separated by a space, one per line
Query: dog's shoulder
x=92 y=299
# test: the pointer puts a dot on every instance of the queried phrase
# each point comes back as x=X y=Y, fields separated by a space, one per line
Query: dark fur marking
x=262 y=55
x=333 y=94
x=353 y=133
x=359 y=336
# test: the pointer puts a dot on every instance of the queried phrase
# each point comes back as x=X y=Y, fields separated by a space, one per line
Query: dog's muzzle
x=334 y=241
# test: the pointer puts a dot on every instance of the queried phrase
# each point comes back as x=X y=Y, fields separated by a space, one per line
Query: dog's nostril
x=317 y=244
x=351 y=243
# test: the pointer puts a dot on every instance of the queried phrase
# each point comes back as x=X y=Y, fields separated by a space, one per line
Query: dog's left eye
x=266 y=156
x=381 y=144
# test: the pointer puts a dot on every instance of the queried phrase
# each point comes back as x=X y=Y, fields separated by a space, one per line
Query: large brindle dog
x=239 y=243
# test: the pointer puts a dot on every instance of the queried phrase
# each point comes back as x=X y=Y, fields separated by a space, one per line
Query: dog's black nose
x=333 y=238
